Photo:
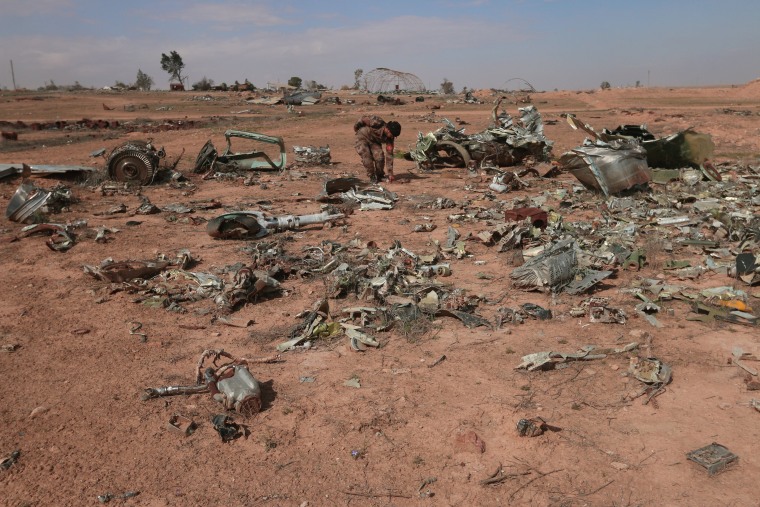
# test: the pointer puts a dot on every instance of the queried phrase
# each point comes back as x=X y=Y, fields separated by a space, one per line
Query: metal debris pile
x=312 y=155
x=506 y=143
x=167 y=283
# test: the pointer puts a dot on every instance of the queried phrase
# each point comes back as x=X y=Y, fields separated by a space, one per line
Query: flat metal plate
x=713 y=457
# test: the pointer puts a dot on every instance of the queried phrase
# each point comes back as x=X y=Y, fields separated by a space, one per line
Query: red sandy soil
x=71 y=398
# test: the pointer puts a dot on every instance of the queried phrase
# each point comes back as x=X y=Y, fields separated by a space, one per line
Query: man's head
x=394 y=128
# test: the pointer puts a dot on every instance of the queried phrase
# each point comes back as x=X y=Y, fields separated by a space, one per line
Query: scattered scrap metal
x=170 y=290
x=61 y=237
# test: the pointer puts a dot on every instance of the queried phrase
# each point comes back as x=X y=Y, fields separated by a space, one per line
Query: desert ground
x=418 y=430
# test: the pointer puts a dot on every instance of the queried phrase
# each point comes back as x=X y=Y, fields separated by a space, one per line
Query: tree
x=310 y=85
x=357 y=78
x=173 y=64
x=447 y=87
x=204 y=84
x=605 y=85
x=143 y=81
x=49 y=86
x=295 y=82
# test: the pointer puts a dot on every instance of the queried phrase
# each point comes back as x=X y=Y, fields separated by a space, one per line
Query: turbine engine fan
x=134 y=162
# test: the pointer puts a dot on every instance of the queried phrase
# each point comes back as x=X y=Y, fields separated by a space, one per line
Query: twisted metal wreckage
x=506 y=143
x=614 y=161
x=398 y=286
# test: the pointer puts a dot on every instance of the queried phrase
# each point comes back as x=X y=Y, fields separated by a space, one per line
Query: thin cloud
x=23 y=8
x=228 y=14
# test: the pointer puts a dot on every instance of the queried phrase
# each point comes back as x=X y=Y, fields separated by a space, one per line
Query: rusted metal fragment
x=125 y=271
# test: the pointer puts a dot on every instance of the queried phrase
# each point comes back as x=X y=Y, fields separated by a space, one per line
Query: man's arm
x=389 y=159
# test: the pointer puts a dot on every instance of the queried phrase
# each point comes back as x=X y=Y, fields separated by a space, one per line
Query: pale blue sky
x=561 y=44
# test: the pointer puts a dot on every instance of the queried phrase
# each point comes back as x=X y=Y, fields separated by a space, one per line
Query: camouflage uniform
x=371 y=133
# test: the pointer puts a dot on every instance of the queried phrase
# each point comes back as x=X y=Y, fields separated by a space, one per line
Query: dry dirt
x=71 y=401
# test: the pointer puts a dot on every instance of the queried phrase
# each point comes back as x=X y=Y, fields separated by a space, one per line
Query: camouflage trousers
x=373 y=159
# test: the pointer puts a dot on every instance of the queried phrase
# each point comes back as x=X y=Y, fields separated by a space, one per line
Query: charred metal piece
x=470 y=320
x=226 y=427
x=534 y=427
x=182 y=425
x=26 y=201
x=312 y=155
x=246 y=284
x=60 y=239
x=255 y=224
x=339 y=186
x=531 y=427
x=536 y=311
x=747 y=269
x=125 y=271
x=134 y=162
x=592 y=278
x=10 y=460
x=650 y=370
x=552 y=270
x=714 y=457
x=372 y=198
x=538 y=217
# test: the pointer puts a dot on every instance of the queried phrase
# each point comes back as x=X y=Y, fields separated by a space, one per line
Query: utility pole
x=13 y=76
